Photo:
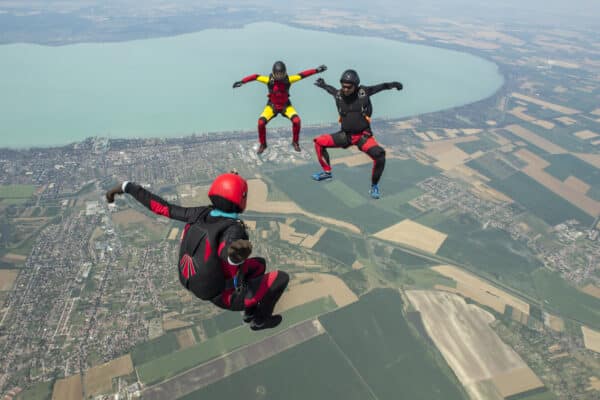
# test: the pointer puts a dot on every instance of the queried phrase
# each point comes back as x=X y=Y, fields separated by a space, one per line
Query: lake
x=180 y=85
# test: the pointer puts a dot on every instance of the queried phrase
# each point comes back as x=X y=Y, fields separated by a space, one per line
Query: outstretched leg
x=263 y=120
x=291 y=114
x=338 y=139
x=377 y=154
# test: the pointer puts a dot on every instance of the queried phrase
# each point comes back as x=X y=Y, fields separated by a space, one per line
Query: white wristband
x=232 y=263
x=124 y=185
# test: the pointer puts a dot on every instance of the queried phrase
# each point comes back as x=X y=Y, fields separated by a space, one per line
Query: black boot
x=269 y=322
x=249 y=314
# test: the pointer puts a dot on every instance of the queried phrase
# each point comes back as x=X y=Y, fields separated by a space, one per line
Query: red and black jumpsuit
x=355 y=118
x=261 y=290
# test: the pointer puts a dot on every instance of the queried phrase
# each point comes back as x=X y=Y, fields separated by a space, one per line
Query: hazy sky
x=559 y=12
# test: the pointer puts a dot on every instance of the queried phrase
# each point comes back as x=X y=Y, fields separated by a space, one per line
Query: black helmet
x=279 y=67
x=350 y=76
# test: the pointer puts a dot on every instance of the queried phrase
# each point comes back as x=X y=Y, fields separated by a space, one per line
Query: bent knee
x=376 y=153
x=262 y=121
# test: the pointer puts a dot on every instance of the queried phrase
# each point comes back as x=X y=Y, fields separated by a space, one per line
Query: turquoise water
x=181 y=85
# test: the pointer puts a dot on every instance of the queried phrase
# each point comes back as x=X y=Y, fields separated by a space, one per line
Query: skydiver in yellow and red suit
x=279 y=83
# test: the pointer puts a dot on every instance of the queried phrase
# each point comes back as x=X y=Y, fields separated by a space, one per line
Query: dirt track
x=213 y=371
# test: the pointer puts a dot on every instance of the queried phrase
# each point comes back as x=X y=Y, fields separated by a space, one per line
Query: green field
x=491 y=166
x=564 y=165
x=221 y=323
x=539 y=394
x=410 y=260
x=155 y=348
x=316 y=369
x=171 y=364
x=336 y=245
x=376 y=339
x=41 y=391
x=565 y=300
x=16 y=191
x=305 y=227
x=346 y=196
x=491 y=251
x=426 y=279
x=483 y=144
x=538 y=200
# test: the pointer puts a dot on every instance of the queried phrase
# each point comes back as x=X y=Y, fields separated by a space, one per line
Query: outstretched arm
x=383 y=86
x=328 y=88
x=250 y=78
x=155 y=203
x=307 y=73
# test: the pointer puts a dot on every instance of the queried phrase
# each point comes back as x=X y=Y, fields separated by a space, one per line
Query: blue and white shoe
x=374 y=192
x=321 y=176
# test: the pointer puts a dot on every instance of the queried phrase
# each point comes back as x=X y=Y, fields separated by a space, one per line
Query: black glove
x=110 y=195
x=321 y=68
x=320 y=82
x=238 y=84
x=397 y=85
x=239 y=250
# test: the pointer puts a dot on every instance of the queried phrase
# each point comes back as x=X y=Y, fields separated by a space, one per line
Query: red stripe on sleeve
x=159 y=208
x=308 y=72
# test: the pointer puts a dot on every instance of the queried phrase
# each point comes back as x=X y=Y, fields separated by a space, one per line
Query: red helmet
x=228 y=192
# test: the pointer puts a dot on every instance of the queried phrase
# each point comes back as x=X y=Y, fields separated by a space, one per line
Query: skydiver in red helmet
x=214 y=261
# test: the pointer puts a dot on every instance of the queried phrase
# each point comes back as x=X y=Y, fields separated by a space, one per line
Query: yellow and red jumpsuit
x=279 y=101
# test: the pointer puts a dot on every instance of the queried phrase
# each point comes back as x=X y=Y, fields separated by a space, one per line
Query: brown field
x=170 y=324
x=7 y=278
x=531 y=159
x=594 y=383
x=407 y=124
x=551 y=106
x=173 y=235
x=500 y=37
x=592 y=159
x=535 y=139
x=192 y=196
x=353 y=160
x=592 y=290
x=471 y=348
x=560 y=89
x=482 y=292
x=14 y=258
x=321 y=285
x=413 y=234
x=288 y=233
x=517 y=381
x=577 y=185
x=433 y=135
x=591 y=338
x=555 y=323
x=585 y=134
x=68 y=388
x=488 y=193
x=311 y=240
x=98 y=379
x=448 y=156
x=127 y=217
x=422 y=136
x=535 y=170
x=596 y=111
x=185 y=338
x=257 y=201
x=566 y=120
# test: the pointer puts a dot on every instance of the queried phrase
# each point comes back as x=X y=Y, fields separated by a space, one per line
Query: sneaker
x=261 y=148
x=269 y=322
x=296 y=146
x=321 y=176
x=374 y=192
